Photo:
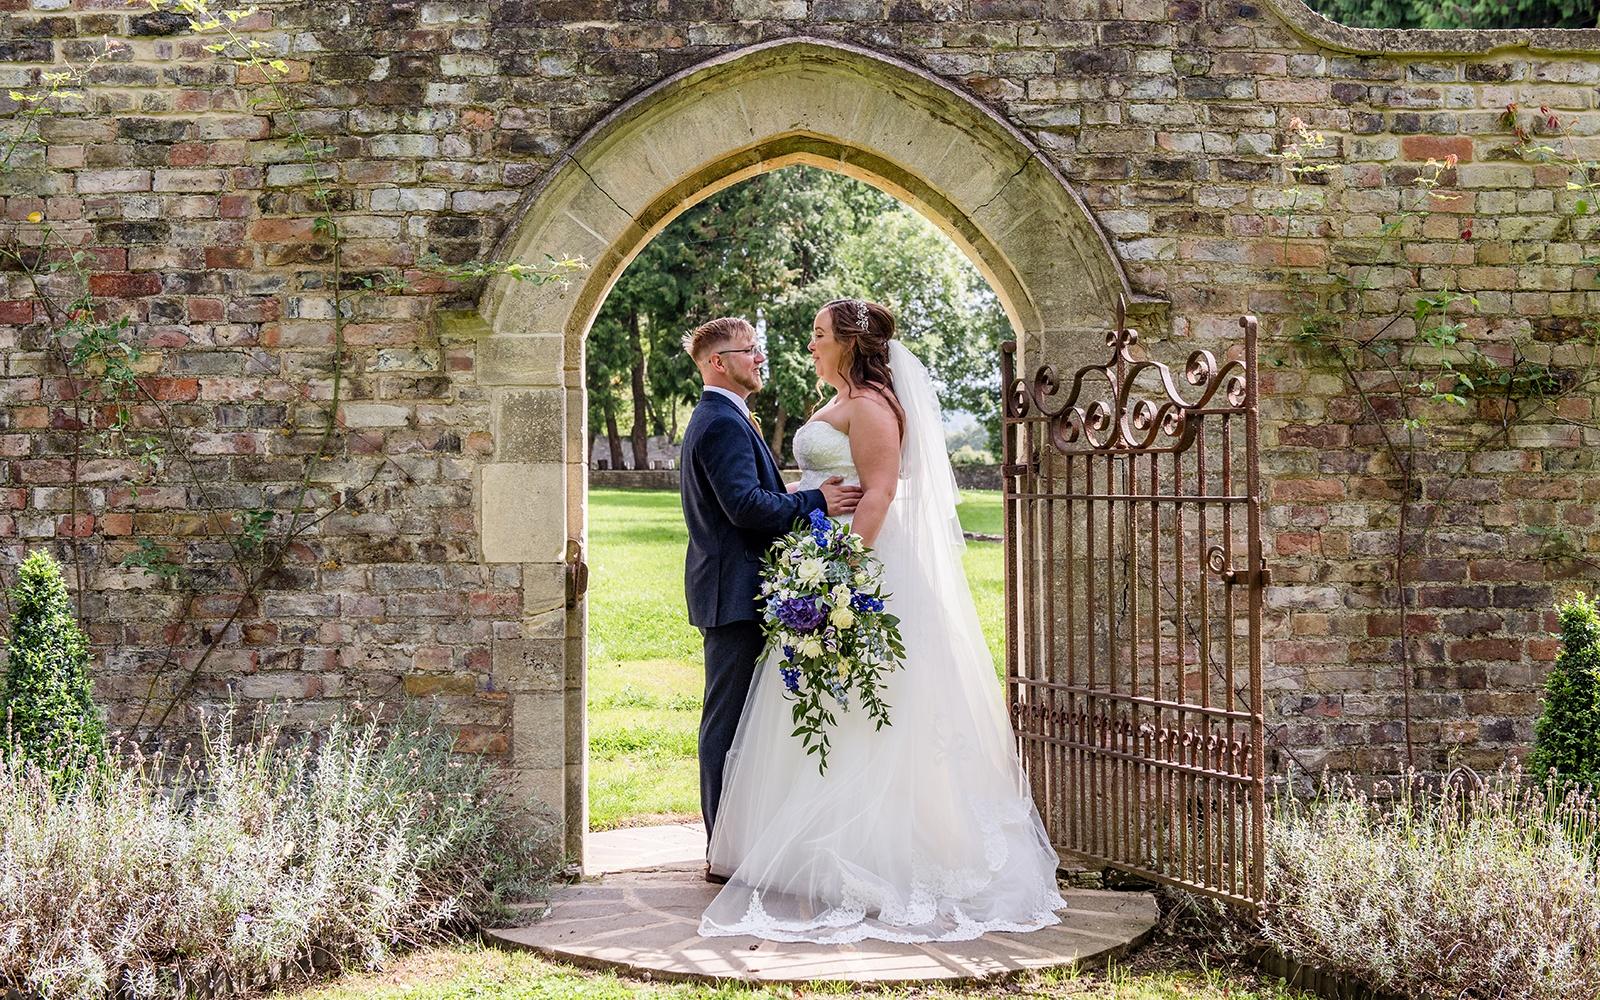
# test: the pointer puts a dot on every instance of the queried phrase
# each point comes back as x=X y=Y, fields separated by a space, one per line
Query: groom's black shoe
x=714 y=878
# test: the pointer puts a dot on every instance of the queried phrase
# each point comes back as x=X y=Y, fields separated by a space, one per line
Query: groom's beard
x=751 y=385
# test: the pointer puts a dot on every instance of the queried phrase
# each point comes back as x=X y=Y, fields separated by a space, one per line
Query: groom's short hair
x=708 y=337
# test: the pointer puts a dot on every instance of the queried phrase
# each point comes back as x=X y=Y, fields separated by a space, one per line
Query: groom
x=735 y=504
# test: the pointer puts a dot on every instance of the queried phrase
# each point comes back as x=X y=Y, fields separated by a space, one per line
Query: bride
x=923 y=830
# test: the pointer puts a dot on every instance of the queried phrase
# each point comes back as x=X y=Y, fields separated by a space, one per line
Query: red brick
x=16 y=311
x=281 y=230
x=1486 y=649
x=1307 y=489
x=75 y=525
x=223 y=258
x=205 y=310
x=172 y=388
x=1436 y=147
x=125 y=286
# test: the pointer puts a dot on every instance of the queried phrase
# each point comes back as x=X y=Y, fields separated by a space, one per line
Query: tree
x=943 y=308
x=774 y=249
x=48 y=700
x=1460 y=13
x=1566 y=738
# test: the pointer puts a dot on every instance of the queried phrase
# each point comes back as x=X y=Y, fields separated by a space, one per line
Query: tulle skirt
x=921 y=831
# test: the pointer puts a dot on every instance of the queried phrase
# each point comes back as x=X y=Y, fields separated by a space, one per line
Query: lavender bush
x=250 y=861
x=1469 y=893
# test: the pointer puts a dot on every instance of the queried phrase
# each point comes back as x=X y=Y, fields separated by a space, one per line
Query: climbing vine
x=1436 y=391
x=107 y=369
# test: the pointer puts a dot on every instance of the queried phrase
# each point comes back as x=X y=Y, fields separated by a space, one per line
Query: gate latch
x=577 y=573
x=1245 y=578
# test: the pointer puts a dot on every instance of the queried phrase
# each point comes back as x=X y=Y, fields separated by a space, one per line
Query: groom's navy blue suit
x=735 y=505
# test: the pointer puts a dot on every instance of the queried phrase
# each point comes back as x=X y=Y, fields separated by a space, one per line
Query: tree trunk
x=612 y=437
x=775 y=441
x=641 y=404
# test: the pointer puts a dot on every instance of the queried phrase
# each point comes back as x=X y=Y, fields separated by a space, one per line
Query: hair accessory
x=859 y=313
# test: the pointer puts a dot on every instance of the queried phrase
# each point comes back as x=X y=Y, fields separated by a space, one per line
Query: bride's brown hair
x=864 y=360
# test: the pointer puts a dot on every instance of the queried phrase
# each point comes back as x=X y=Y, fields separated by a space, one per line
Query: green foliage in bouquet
x=1566 y=739
x=48 y=700
x=825 y=615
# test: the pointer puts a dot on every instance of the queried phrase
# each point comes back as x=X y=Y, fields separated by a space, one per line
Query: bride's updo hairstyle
x=863 y=330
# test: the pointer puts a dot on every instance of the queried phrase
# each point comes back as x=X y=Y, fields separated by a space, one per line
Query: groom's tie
x=756 y=424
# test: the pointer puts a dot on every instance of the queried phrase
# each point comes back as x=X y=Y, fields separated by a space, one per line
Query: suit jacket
x=735 y=505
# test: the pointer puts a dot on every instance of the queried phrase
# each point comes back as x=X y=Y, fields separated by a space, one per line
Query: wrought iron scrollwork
x=1119 y=417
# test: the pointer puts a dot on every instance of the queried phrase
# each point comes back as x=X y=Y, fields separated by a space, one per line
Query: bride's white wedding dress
x=923 y=830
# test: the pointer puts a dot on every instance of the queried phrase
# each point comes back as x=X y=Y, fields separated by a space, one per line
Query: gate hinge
x=577 y=573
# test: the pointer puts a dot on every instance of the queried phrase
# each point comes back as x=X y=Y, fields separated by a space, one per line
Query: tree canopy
x=774 y=249
x=1460 y=13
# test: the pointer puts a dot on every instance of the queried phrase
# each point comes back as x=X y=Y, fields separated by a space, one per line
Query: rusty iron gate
x=1134 y=581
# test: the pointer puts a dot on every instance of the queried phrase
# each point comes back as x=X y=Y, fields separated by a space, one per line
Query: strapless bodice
x=822 y=450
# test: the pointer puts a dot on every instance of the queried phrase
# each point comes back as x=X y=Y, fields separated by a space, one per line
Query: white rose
x=810 y=572
x=842 y=616
x=809 y=647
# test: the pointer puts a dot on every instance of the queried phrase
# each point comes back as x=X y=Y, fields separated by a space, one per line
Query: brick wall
x=1162 y=116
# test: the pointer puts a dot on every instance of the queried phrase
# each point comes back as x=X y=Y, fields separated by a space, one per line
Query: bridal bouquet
x=824 y=612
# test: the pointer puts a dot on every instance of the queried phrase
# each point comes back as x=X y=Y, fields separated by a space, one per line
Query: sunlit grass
x=445 y=973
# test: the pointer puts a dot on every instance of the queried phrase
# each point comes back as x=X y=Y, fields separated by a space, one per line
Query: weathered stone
x=515 y=499
x=529 y=664
x=529 y=426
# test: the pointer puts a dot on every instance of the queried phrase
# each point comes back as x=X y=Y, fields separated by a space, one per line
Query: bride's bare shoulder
x=871 y=411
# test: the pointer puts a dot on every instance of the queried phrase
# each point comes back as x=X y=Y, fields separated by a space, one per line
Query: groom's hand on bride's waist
x=841 y=499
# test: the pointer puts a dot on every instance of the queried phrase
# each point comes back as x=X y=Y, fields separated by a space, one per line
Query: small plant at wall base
x=48 y=703
x=1566 y=738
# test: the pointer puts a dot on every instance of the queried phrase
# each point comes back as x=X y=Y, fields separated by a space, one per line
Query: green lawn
x=448 y=973
x=645 y=674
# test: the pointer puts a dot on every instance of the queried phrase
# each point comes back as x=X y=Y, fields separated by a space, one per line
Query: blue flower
x=865 y=602
x=819 y=521
x=800 y=614
x=791 y=678
x=788 y=652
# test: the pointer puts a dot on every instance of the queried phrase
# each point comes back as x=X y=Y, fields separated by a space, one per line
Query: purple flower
x=800 y=614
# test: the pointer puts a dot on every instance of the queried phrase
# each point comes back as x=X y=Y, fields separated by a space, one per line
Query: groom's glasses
x=752 y=349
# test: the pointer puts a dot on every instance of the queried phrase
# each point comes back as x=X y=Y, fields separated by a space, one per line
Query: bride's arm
x=875 y=449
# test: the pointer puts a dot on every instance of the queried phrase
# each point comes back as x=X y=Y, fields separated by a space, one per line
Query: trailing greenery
x=1460 y=13
x=1566 y=738
x=253 y=860
x=48 y=702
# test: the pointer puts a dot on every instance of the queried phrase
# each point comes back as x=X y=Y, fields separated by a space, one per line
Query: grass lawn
x=445 y=973
x=645 y=676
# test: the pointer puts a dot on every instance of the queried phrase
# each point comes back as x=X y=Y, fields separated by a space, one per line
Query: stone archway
x=752 y=110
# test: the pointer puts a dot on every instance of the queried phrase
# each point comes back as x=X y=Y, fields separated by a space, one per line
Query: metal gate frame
x=1144 y=752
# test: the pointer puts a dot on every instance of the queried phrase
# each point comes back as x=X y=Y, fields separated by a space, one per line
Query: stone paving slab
x=643 y=847
x=646 y=923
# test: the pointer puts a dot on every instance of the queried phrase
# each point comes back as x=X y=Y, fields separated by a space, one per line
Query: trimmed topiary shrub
x=48 y=702
x=1566 y=739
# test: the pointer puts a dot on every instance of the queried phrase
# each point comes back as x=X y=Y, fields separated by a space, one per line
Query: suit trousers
x=731 y=653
